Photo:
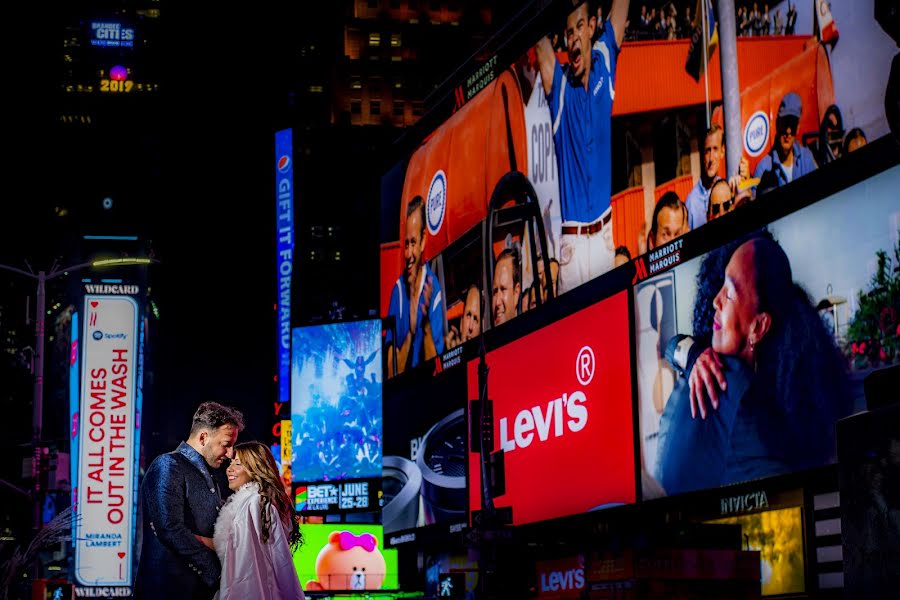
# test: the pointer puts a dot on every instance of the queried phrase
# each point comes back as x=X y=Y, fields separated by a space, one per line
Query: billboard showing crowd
x=554 y=173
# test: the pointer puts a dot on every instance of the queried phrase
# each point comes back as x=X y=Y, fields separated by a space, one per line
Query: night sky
x=191 y=171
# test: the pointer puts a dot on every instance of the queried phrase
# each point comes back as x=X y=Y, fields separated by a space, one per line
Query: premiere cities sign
x=105 y=495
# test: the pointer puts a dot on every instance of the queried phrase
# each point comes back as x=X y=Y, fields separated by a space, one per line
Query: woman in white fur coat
x=256 y=530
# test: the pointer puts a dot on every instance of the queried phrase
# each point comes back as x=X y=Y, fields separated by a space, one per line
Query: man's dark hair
x=623 y=251
x=212 y=415
x=416 y=204
x=514 y=255
x=668 y=200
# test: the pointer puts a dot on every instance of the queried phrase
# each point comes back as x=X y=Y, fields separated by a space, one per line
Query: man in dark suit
x=180 y=499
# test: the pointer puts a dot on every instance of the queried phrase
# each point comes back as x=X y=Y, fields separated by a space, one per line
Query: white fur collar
x=233 y=506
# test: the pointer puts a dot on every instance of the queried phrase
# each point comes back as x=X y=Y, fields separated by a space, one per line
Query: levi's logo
x=565 y=413
x=556 y=581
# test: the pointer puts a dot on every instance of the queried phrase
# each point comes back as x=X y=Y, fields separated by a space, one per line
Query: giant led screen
x=425 y=454
x=345 y=557
x=562 y=416
x=596 y=144
x=748 y=355
x=336 y=416
x=778 y=537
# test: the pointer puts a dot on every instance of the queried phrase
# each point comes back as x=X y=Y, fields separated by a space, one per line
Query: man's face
x=471 y=322
x=787 y=133
x=579 y=31
x=713 y=151
x=669 y=225
x=413 y=246
x=506 y=294
x=720 y=201
x=216 y=445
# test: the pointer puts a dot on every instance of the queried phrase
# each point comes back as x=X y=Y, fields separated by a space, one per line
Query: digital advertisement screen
x=425 y=453
x=591 y=162
x=344 y=557
x=336 y=405
x=778 y=537
x=566 y=428
x=782 y=326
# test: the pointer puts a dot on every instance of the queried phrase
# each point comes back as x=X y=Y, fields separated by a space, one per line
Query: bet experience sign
x=104 y=522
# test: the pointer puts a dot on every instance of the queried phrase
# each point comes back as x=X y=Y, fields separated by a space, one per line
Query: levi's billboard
x=562 y=415
x=561 y=578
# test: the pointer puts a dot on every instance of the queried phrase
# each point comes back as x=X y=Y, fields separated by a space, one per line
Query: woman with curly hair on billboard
x=783 y=382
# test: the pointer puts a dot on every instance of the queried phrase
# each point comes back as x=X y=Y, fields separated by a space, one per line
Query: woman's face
x=237 y=475
x=736 y=306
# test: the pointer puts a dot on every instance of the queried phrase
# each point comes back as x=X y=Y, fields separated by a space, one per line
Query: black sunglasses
x=722 y=206
x=782 y=123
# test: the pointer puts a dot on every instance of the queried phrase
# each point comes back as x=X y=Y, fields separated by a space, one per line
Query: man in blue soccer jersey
x=580 y=99
x=416 y=301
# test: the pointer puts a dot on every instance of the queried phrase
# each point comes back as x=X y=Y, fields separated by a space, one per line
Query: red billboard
x=562 y=414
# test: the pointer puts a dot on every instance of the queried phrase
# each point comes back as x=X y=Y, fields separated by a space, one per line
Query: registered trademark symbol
x=584 y=365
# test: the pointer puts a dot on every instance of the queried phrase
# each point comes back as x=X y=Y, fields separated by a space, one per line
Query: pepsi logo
x=284 y=163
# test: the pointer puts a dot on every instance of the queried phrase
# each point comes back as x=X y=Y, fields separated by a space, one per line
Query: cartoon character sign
x=349 y=562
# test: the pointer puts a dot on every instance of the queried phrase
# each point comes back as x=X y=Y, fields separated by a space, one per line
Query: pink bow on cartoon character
x=349 y=541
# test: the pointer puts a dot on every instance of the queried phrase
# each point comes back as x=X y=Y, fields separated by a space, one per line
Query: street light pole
x=37 y=416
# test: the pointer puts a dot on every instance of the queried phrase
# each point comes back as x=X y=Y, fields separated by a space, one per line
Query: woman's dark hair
x=801 y=386
x=258 y=462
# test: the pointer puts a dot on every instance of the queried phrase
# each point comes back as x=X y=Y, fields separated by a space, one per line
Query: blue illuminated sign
x=111 y=35
x=284 y=223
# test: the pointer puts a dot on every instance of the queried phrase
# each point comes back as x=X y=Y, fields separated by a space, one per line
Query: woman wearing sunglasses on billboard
x=256 y=531
x=777 y=382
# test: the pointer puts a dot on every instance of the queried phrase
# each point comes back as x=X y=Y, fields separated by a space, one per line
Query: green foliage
x=873 y=337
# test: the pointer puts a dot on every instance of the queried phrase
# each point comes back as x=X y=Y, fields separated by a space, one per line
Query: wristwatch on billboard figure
x=442 y=461
x=401 y=484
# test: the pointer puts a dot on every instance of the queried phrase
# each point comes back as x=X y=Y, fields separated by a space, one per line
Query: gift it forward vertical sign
x=104 y=526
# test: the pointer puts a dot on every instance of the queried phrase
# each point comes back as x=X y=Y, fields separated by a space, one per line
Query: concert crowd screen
x=336 y=416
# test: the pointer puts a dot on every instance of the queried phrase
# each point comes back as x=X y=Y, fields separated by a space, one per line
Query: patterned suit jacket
x=179 y=498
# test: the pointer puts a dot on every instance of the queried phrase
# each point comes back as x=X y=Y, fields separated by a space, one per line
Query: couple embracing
x=196 y=544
